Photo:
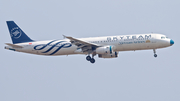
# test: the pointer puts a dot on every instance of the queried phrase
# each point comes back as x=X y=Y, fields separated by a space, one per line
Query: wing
x=85 y=46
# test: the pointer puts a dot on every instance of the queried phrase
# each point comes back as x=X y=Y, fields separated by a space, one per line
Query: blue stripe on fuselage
x=66 y=45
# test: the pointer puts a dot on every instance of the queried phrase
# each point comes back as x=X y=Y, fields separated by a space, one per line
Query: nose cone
x=171 y=42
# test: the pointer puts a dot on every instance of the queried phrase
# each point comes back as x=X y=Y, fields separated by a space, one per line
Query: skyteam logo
x=53 y=48
x=16 y=32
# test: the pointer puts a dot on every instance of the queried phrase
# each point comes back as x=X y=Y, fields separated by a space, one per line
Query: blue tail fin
x=17 y=35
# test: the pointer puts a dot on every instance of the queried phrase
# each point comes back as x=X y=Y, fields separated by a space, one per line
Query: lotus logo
x=16 y=32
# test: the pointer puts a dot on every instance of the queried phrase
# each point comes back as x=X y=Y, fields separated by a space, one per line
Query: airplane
x=104 y=47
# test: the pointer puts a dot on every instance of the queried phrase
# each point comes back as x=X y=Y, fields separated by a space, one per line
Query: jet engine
x=112 y=55
x=105 y=50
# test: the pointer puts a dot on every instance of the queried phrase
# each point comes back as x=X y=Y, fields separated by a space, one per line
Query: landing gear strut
x=155 y=55
x=92 y=60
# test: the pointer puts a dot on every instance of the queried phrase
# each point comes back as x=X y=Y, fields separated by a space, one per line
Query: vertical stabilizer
x=17 y=35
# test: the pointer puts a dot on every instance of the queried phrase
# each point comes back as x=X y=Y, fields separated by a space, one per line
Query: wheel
x=92 y=60
x=88 y=58
x=155 y=55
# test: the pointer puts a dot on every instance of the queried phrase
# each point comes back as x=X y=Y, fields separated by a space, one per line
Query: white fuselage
x=121 y=43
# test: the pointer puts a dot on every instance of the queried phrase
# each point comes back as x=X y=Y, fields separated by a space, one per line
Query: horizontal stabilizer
x=12 y=45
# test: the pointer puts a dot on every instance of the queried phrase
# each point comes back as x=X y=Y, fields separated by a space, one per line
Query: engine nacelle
x=105 y=50
x=113 y=55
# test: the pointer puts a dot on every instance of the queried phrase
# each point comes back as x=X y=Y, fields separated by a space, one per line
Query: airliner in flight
x=104 y=47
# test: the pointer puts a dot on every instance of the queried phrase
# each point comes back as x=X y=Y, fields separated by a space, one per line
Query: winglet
x=68 y=37
x=64 y=36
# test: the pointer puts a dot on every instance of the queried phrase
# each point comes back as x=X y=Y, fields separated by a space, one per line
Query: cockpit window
x=164 y=37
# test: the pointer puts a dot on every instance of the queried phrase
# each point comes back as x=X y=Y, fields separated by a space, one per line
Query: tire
x=92 y=60
x=88 y=58
x=155 y=55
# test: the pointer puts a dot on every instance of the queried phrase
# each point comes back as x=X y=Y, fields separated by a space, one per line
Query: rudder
x=17 y=35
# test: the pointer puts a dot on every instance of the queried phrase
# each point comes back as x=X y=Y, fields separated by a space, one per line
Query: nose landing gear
x=155 y=55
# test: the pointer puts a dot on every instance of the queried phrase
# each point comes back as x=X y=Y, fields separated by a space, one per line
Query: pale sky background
x=133 y=76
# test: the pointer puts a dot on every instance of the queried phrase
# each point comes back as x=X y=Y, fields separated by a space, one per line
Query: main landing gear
x=92 y=60
x=155 y=55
